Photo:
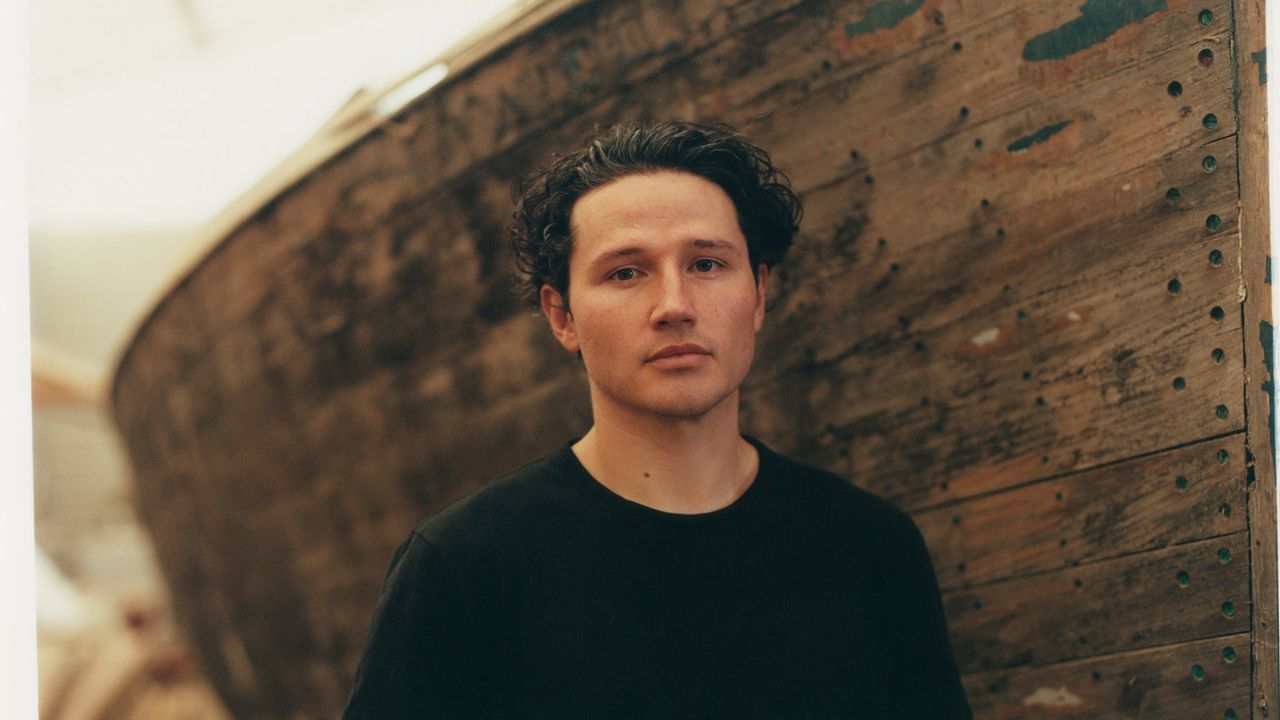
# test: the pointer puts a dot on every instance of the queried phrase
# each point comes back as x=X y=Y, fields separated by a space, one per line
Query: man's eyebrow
x=700 y=243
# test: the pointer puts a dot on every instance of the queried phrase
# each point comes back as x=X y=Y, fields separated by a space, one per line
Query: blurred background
x=147 y=119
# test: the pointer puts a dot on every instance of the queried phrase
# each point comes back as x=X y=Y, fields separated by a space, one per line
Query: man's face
x=663 y=304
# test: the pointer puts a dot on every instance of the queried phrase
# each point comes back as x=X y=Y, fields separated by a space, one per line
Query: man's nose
x=673 y=303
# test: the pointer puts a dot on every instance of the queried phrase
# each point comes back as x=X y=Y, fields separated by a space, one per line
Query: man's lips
x=680 y=349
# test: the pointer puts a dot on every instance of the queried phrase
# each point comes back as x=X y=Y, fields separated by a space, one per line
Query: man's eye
x=705 y=265
x=624 y=274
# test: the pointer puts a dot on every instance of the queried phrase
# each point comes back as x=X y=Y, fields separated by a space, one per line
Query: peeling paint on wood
x=1260 y=59
x=1052 y=697
x=883 y=15
x=1266 y=336
x=1099 y=20
x=1039 y=136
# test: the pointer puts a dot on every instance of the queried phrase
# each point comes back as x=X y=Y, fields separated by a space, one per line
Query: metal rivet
x=1175 y=89
x=1221 y=412
x=1181 y=483
x=826 y=64
x=1179 y=383
x=1205 y=57
x=1039 y=400
x=1229 y=654
x=1229 y=608
x=1062 y=543
x=1230 y=714
x=1058 y=496
x=964 y=112
x=1218 y=355
x=1184 y=579
x=1197 y=672
x=1175 y=287
x=1223 y=457
x=1026 y=374
x=1213 y=222
x=1000 y=232
x=853 y=154
x=1206 y=17
x=1079 y=583
x=893 y=267
x=957 y=46
x=960 y=567
x=1173 y=196
x=1225 y=509
x=1022 y=314
x=870 y=180
x=1216 y=313
x=1210 y=121
x=1215 y=256
x=1209 y=163
x=977 y=143
x=1224 y=556
x=985 y=203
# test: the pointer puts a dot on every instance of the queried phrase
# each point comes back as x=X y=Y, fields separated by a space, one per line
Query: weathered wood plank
x=1257 y=342
x=1164 y=499
x=959 y=365
x=1137 y=601
x=1160 y=683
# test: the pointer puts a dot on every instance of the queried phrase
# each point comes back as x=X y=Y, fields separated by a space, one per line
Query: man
x=663 y=565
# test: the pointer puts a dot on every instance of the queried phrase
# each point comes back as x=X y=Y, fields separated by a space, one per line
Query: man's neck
x=675 y=465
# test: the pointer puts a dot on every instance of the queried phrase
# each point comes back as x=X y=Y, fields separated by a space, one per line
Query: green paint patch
x=569 y=58
x=1260 y=59
x=883 y=15
x=1268 y=279
x=1039 y=136
x=1266 y=335
x=1099 y=20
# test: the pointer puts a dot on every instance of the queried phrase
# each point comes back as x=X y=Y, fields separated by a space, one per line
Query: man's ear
x=561 y=320
x=762 y=282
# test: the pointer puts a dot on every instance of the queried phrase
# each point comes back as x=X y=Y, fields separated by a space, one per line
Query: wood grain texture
x=1156 y=683
x=980 y=314
x=1249 y=55
x=1128 y=603
x=1138 y=505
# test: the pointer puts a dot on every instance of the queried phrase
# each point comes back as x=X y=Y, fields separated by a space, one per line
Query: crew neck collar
x=743 y=505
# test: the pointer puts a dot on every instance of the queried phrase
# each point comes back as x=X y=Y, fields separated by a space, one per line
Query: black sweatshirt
x=548 y=595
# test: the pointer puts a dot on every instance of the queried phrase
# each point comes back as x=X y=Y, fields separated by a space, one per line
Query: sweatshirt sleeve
x=422 y=658
x=926 y=679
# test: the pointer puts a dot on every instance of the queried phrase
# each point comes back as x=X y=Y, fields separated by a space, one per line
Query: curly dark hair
x=768 y=210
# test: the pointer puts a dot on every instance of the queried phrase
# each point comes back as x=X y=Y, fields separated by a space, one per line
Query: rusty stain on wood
x=1099 y=20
